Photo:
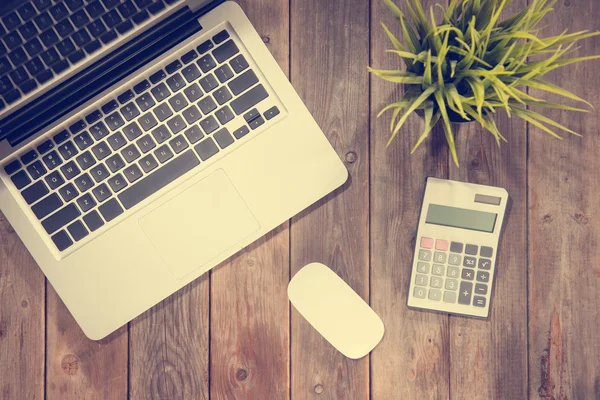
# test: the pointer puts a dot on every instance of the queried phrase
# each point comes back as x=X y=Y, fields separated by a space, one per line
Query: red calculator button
x=426 y=243
x=441 y=245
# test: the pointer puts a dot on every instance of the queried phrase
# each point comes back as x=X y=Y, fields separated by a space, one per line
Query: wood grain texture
x=564 y=230
x=412 y=360
x=488 y=358
x=22 y=308
x=77 y=367
x=329 y=55
x=168 y=347
x=250 y=309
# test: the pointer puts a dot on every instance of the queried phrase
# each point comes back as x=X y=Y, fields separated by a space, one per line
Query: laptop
x=143 y=142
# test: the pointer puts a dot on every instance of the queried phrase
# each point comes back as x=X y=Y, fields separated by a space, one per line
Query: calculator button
x=484 y=263
x=456 y=247
x=451 y=284
x=453 y=272
x=480 y=288
x=454 y=259
x=434 y=294
x=479 y=301
x=483 y=276
x=441 y=245
x=469 y=262
x=438 y=270
x=421 y=280
x=468 y=274
x=486 y=251
x=423 y=268
x=436 y=282
x=439 y=257
x=465 y=293
x=420 y=293
x=471 y=249
x=450 y=297
x=424 y=255
x=426 y=243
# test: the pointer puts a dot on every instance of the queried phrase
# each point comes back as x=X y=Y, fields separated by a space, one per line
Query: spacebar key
x=158 y=179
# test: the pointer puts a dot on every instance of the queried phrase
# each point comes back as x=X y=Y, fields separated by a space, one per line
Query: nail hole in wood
x=70 y=364
x=24 y=304
x=351 y=157
x=266 y=39
x=241 y=374
x=319 y=389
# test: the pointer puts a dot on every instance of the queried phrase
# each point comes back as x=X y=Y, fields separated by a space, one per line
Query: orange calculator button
x=441 y=245
x=426 y=243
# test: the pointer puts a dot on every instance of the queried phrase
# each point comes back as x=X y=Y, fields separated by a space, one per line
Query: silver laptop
x=146 y=144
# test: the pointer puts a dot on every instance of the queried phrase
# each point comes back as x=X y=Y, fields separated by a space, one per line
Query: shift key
x=249 y=99
x=60 y=218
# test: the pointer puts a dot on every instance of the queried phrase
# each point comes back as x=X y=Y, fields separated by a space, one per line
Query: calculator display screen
x=461 y=218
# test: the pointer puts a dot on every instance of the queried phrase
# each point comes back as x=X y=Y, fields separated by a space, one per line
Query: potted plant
x=473 y=63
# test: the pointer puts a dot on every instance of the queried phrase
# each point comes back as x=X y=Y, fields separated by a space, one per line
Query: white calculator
x=456 y=247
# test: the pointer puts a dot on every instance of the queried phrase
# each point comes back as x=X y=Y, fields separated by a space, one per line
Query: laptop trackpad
x=199 y=224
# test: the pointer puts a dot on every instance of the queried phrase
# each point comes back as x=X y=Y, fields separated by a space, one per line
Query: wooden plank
x=412 y=360
x=22 y=304
x=250 y=309
x=488 y=358
x=168 y=346
x=564 y=277
x=329 y=55
x=77 y=367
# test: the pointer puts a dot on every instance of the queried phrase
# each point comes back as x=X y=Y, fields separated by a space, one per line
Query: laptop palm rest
x=199 y=224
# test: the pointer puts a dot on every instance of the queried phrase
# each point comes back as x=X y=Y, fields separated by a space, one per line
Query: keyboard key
x=130 y=153
x=5 y=82
x=74 y=5
x=189 y=57
x=206 y=63
x=161 y=134
x=11 y=21
x=125 y=97
x=176 y=82
x=194 y=134
x=209 y=125
x=163 y=153
x=62 y=241
x=224 y=115
x=93 y=221
x=49 y=37
x=12 y=96
x=221 y=37
x=224 y=73
x=114 y=121
x=101 y=192
x=469 y=262
x=124 y=27
x=158 y=179
x=60 y=66
x=43 y=21
x=70 y=170
x=86 y=160
x=207 y=105
x=191 y=73
x=110 y=210
x=178 y=144
x=130 y=111
x=50 y=57
x=59 y=12
x=77 y=126
x=178 y=102
x=27 y=12
x=81 y=37
x=223 y=138
x=273 y=112
x=241 y=132
x=148 y=163
x=34 y=66
x=28 y=30
x=83 y=141
x=467 y=274
x=239 y=64
x=157 y=76
x=206 y=149
x=47 y=206
x=243 y=82
x=456 y=247
x=145 y=101
x=36 y=170
x=93 y=116
x=99 y=130
x=225 y=51
x=12 y=167
x=86 y=202
x=115 y=163
x=116 y=141
x=479 y=301
x=127 y=9
x=132 y=173
x=117 y=183
x=41 y=5
x=77 y=230
x=54 y=180
x=481 y=288
x=191 y=114
x=222 y=95
x=146 y=144
x=209 y=83
x=52 y=160
x=84 y=182
x=95 y=9
x=484 y=263
x=35 y=192
x=465 y=292
x=28 y=157
x=19 y=75
x=21 y=179
x=471 y=249
x=483 y=276
x=61 y=218
x=255 y=123
x=45 y=147
x=33 y=47
x=96 y=28
x=99 y=173
x=13 y=40
x=249 y=99
x=140 y=17
x=160 y=92
x=252 y=114
x=110 y=3
x=147 y=122
x=65 y=28
x=486 y=251
x=68 y=192
x=92 y=46
x=101 y=151
x=112 y=19
x=419 y=292
x=156 y=7
x=163 y=112
x=205 y=46
x=44 y=76
x=173 y=67
x=108 y=37
x=193 y=92
x=436 y=282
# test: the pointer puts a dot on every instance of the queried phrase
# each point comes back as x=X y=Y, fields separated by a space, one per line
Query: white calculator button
x=421 y=280
x=453 y=272
x=451 y=284
x=435 y=294
x=438 y=270
x=436 y=282
x=450 y=297
x=424 y=255
x=439 y=257
x=420 y=293
x=423 y=268
x=454 y=259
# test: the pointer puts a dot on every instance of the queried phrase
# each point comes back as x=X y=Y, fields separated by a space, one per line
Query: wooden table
x=232 y=333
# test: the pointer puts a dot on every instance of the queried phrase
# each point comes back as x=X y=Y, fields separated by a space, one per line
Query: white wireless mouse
x=336 y=311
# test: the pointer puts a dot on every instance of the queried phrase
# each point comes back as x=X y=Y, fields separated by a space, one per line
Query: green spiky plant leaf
x=473 y=63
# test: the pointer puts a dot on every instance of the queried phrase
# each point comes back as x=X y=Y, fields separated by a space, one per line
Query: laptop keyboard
x=43 y=39
x=108 y=159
